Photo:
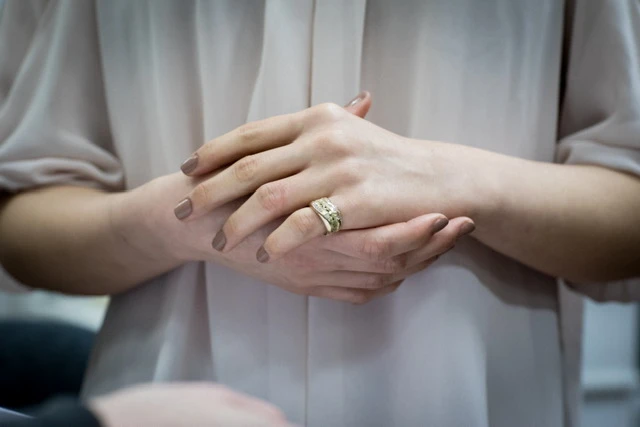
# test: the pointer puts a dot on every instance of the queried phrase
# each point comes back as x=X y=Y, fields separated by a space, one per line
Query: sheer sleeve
x=600 y=116
x=54 y=126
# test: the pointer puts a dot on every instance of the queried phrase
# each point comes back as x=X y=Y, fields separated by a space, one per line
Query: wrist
x=473 y=181
x=139 y=227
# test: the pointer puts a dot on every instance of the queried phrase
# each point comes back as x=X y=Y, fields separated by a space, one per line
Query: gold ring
x=329 y=214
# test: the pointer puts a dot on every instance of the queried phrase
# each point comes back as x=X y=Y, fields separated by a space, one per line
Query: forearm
x=66 y=239
x=581 y=223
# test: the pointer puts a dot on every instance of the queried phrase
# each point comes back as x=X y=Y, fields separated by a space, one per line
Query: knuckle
x=249 y=132
x=348 y=172
x=245 y=169
x=272 y=196
x=208 y=147
x=374 y=282
x=376 y=248
x=232 y=227
x=298 y=286
x=359 y=297
x=302 y=262
x=395 y=265
x=447 y=248
x=334 y=141
x=303 y=222
x=322 y=292
x=329 y=111
x=201 y=194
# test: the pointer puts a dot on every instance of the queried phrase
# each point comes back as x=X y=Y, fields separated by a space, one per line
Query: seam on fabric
x=307 y=304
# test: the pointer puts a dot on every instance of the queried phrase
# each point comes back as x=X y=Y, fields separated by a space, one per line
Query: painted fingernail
x=219 y=241
x=189 y=165
x=362 y=95
x=262 y=255
x=183 y=209
x=440 y=224
x=467 y=228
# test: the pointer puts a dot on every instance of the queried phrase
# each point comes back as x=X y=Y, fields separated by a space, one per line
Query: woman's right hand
x=354 y=266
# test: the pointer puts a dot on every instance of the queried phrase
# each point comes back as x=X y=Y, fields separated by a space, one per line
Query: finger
x=353 y=296
x=250 y=138
x=320 y=260
x=387 y=241
x=442 y=242
x=277 y=199
x=330 y=261
x=354 y=280
x=416 y=268
x=240 y=179
x=304 y=225
x=271 y=201
x=367 y=281
x=262 y=135
x=359 y=105
x=437 y=244
x=300 y=227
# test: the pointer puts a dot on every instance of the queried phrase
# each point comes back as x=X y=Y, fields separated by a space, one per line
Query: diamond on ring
x=329 y=214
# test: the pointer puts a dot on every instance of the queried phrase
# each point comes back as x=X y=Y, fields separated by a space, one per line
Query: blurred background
x=610 y=370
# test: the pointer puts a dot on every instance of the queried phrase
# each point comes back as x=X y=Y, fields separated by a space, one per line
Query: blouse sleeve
x=54 y=126
x=600 y=115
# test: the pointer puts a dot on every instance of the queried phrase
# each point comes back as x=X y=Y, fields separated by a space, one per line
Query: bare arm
x=84 y=241
x=64 y=238
x=581 y=223
x=577 y=222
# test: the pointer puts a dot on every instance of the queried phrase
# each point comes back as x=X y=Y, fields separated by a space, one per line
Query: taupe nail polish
x=262 y=255
x=189 y=165
x=440 y=224
x=219 y=241
x=467 y=228
x=362 y=95
x=183 y=209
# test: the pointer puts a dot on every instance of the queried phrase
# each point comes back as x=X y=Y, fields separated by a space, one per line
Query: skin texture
x=571 y=221
x=184 y=404
x=102 y=243
x=576 y=222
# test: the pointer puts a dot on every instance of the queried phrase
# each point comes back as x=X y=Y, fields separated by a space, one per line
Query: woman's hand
x=353 y=266
x=375 y=177
x=184 y=404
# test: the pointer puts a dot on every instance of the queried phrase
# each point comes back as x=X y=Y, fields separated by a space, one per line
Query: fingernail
x=262 y=255
x=440 y=224
x=183 y=209
x=189 y=165
x=219 y=241
x=467 y=228
x=362 y=95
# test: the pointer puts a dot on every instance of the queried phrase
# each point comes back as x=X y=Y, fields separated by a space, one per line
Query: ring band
x=329 y=214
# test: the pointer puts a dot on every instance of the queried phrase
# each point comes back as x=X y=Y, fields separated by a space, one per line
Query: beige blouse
x=111 y=94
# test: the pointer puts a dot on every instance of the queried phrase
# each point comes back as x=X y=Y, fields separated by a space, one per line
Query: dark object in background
x=40 y=360
x=56 y=413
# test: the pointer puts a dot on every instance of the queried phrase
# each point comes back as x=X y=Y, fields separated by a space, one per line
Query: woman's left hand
x=373 y=176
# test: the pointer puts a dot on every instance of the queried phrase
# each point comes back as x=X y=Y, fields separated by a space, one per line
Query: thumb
x=360 y=104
